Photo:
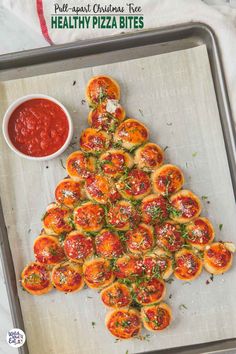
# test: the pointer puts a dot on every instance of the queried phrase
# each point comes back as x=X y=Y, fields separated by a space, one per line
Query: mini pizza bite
x=97 y=188
x=149 y=291
x=57 y=219
x=199 y=232
x=218 y=258
x=114 y=162
x=128 y=266
x=156 y=317
x=106 y=116
x=94 y=141
x=122 y=215
x=154 y=209
x=131 y=133
x=136 y=184
x=188 y=266
x=185 y=206
x=98 y=273
x=69 y=192
x=149 y=157
x=89 y=217
x=116 y=295
x=67 y=277
x=140 y=239
x=36 y=279
x=79 y=166
x=124 y=323
x=167 y=179
x=78 y=246
x=100 y=88
x=169 y=236
x=108 y=244
x=158 y=264
x=48 y=250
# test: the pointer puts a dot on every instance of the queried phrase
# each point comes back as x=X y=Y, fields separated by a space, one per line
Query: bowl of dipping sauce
x=37 y=127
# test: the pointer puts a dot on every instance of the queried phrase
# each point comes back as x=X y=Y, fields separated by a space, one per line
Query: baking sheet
x=173 y=94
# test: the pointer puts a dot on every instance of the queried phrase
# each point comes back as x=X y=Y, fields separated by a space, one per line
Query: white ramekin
x=11 y=109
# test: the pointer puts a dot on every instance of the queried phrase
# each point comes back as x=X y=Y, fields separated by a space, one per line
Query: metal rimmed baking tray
x=109 y=50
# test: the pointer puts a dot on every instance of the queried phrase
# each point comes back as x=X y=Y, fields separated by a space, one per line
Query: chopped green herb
x=173 y=211
x=220 y=227
x=194 y=154
x=167 y=147
x=52 y=251
x=62 y=237
x=204 y=197
x=141 y=112
x=93 y=324
x=169 y=281
x=182 y=306
x=62 y=164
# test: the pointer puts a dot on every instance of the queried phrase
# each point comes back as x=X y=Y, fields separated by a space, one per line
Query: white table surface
x=12 y=39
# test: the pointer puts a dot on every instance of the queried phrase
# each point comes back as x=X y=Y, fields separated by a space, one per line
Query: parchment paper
x=173 y=95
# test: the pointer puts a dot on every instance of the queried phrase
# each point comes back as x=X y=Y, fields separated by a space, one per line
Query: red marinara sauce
x=38 y=127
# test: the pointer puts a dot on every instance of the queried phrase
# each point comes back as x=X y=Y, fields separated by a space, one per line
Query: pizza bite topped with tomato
x=79 y=166
x=149 y=291
x=114 y=162
x=98 y=273
x=154 y=209
x=169 y=236
x=131 y=133
x=78 y=246
x=100 y=88
x=108 y=244
x=199 y=233
x=136 y=184
x=89 y=217
x=167 y=179
x=69 y=192
x=158 y=264
x=128 y=266
x=116 y=295
x=122 y=215
x=94 y=141
x=36 y=279
x=97 y=188
x=67 y=277
x=140 y=239
x=124 y=323
x=107 y=115
x=57 y=220
x=185 y=206
x=149 y=157
x=218 y=257
x=48 y=250
x=188 y=265
x=156 y=317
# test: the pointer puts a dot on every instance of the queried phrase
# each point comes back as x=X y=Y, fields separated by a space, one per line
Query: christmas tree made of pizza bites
x=121 y=222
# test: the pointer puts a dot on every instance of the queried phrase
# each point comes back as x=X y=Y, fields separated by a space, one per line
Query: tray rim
x=87 y=47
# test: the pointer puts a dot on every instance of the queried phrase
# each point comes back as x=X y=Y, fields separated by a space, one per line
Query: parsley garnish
x=182 y=306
